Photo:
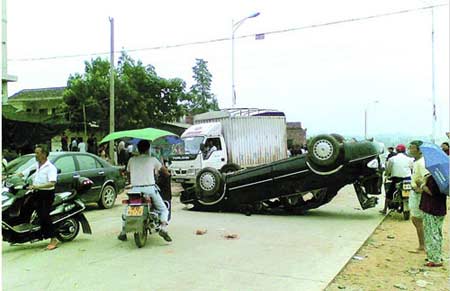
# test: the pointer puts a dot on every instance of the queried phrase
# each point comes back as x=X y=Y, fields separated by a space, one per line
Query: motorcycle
x=20 y=222
x=140 y=217
x=400 y=200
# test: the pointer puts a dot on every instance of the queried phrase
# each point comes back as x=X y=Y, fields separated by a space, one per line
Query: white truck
x=242 y=138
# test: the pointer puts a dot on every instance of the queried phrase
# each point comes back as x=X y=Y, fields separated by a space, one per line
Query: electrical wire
x=194 y=43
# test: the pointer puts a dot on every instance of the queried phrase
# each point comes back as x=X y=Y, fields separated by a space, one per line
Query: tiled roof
x=38 y=94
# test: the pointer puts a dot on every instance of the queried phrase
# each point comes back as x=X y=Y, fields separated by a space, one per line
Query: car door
x=66 y=166
x=90 y=168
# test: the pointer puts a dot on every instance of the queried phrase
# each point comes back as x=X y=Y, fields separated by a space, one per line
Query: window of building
x=43 y=111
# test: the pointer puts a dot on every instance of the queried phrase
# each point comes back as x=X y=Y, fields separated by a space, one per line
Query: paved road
x=273 y=252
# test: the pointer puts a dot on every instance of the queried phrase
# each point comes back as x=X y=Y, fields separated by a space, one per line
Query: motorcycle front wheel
x=140 y=238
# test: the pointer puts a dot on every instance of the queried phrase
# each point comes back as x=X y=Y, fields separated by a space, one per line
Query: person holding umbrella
x=434 y=206
x=434 y=200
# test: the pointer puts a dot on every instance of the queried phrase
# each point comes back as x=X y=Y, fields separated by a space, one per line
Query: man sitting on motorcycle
x=398 y=168
x=141 y=171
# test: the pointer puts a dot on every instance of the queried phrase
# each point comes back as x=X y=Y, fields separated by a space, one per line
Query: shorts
x=414 y=202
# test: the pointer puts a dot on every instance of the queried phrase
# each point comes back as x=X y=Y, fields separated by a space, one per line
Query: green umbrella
x=144 y=133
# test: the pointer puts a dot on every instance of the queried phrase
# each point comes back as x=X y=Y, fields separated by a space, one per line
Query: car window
x=20 y=162
x=87 y=163
x=25 y=168
x=65 y=164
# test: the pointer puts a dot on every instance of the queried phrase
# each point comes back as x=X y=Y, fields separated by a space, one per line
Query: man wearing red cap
x=398 y=168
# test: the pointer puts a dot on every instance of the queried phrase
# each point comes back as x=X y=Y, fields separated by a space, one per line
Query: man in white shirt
x=398 y=168
x=44 y=181
x=82 y=146
x=141 y=171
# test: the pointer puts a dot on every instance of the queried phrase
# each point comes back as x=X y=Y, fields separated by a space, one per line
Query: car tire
x=230 y=168
x=209 y=186
x=323 y=150
x=107 y=197
x=338 y=137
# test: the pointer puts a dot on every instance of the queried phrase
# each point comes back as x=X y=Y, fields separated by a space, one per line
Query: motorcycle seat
x=61 y=197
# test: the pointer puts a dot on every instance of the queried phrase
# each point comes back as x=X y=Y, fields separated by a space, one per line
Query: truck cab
x=202 y=146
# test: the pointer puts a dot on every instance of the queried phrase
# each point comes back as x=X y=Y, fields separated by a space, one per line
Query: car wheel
x=230 y=168
x=107 y=197
x=209 y=184
x=338 y=137
x=68 y=230
x=323 y=150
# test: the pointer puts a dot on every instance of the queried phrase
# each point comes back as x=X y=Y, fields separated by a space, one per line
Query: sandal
x=52 y=245
x=432 y=264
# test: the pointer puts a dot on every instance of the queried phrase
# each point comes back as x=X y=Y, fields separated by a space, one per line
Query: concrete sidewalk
x=271 y=252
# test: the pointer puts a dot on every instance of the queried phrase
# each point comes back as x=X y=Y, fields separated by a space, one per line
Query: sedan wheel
x=209 y=183
x=107 y=197
x=323 y=150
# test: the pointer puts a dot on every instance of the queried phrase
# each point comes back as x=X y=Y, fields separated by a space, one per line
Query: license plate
x=135 y=210
x=405 y=193
x=179 y=180
x=406 y=186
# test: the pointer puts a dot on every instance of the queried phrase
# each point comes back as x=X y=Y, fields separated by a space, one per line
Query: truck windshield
x=191 y=145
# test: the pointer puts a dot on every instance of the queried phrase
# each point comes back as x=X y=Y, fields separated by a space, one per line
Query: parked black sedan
x=107 y=179
x=298 y=183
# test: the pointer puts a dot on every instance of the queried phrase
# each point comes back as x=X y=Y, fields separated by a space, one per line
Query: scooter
x=20 y=222
x=140 y=217
x=400 y=200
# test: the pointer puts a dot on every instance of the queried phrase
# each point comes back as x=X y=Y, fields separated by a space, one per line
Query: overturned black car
x=298 y=183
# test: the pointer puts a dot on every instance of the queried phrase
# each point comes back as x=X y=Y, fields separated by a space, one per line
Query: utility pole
x=111 y=93
x=84 y=119
x=433 y=92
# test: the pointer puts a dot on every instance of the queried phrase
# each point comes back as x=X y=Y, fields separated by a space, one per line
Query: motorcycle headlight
x=373 y=164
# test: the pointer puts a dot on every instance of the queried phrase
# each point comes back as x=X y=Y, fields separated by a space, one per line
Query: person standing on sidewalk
x=434 y=207
x=417 y=181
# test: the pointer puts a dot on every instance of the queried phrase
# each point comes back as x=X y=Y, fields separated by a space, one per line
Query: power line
x=238 y=37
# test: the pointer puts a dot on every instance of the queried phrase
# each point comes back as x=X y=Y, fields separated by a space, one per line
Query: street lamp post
x=365 y=117
x=234 y=27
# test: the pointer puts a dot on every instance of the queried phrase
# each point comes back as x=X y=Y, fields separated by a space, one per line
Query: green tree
x=200 y=98
x=142 y=98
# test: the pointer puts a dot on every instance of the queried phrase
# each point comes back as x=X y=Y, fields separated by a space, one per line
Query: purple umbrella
x=437 y=163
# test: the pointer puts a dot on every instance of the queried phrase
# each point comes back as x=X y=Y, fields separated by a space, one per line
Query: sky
x=325 y=76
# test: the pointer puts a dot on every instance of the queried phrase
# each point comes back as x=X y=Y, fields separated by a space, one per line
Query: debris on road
x=201 y=231
x=422 y=283
x=231 y=236
x=400 y=286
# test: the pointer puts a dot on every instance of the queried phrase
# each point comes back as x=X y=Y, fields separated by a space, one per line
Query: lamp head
x=254 y=15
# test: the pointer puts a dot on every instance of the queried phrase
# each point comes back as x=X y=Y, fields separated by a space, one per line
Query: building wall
x=296 y=135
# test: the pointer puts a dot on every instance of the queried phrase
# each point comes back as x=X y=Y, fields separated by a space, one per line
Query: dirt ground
x=384 y=263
